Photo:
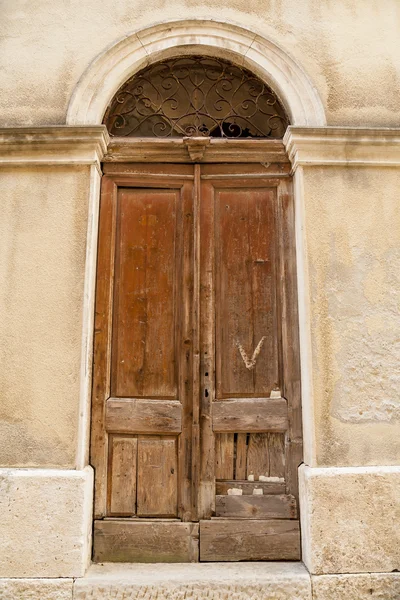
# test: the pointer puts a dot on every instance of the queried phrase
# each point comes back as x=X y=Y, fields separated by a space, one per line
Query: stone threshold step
x=208 y=581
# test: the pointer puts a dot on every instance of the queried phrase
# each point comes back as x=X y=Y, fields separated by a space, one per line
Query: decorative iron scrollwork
x=196 y=97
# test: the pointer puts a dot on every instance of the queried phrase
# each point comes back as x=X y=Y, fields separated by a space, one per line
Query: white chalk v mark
x=250 y=362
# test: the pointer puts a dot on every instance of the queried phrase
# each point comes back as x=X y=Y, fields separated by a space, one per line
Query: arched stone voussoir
x=118 y=62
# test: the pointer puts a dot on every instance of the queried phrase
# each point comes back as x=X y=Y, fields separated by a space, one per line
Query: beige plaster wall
x=348 y=48
x=352 y=233
x=43 y=229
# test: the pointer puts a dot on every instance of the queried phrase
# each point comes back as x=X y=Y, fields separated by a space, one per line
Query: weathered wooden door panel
x=245 y=291
x=253 y=401
x=144 y=361
x=142 y=385
x=196 y=392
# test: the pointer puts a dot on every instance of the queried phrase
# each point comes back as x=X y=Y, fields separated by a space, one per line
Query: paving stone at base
x=36 y=589
x=217 y=581
x=363 y=586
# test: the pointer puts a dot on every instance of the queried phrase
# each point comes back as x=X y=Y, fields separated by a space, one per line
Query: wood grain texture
x=165 y=181
x=271 y=153
x=290 y=335
x=250 y=415
x=248 y=487
x=256 y=507
x=144 y=362
x=143 y=416
x=206 y=496
x=293 y=458
x=146 y=542
x=194 y=413
x=258 y=456
x=186 y=350
x=241 y=456
x=224 y=455
x=236 y=540
x=246 y=288
x=102 y=342
x=276 y=453
x=122 y=486
x=157 y=478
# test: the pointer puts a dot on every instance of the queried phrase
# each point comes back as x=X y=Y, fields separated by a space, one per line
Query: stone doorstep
x=212 y=581
x=208 y=581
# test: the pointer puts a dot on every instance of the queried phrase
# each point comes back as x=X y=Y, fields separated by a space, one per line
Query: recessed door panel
x=247 y=351
x=144 y=324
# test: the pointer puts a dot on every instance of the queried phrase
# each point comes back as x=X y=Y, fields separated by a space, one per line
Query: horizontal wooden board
x=236 y=540
x=144 y=541
x=250 y=415
x=163 y=150
x=130 y=415
x=256 y=507
x=247 y=487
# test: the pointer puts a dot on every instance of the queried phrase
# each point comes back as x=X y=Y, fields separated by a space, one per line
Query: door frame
x=271 y=155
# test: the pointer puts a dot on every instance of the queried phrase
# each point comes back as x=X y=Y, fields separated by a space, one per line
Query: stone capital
x=343 y=146
x=58 y=145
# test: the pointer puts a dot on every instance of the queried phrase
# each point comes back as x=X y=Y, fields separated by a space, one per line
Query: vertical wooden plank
x=276 y=452
x=196 y=345
x=206 y=495
x=122 y=487
x=157 y=481
x=262 y=234
x=102 y=342
x=185 y=258
x=293 y=459
x=224 y=452
x=234 y=301
x=257 y=456
x=241 y=456
x=143 y=327
x=290 y=334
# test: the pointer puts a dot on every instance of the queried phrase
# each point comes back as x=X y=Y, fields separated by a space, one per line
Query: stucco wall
x=352 y=233
x=348 y=48
x=43 y=229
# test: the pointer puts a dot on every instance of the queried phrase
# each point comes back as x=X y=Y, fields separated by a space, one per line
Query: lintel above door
x=200 y=149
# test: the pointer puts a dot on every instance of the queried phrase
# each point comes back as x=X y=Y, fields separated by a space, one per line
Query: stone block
x=217 y=581
x=349 y=517
x=366 y=586
x=46 y=522
x=35 y=589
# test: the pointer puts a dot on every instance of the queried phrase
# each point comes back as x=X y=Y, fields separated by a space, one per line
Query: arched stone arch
x=109 y=70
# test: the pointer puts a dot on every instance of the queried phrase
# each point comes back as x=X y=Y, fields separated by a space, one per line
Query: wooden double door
x=196 y=424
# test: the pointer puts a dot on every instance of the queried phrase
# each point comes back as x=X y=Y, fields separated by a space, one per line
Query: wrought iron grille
x=196 y=96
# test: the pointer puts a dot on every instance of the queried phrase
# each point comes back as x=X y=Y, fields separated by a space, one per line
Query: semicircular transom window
x=196 y=96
